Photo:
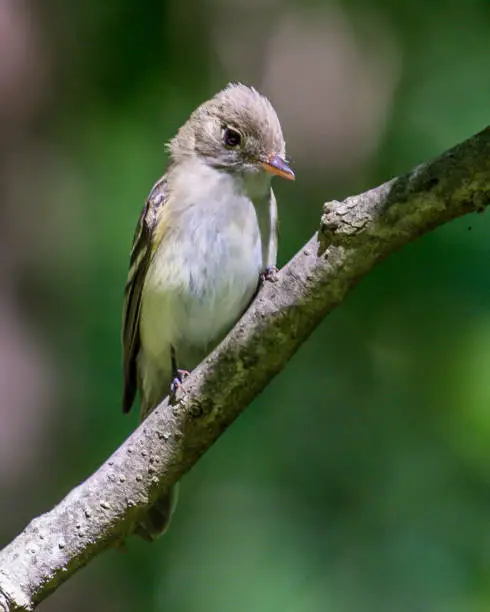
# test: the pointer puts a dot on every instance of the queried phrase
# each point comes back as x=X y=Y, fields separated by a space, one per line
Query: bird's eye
x=232 y=138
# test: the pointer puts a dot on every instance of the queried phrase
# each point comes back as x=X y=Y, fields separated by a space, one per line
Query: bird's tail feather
x=157 y=519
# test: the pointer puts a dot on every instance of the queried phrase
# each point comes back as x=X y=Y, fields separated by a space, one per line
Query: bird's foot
x=179 y=377
x=271 y=274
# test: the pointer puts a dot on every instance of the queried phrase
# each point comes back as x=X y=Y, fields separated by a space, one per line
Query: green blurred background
x=360 y=480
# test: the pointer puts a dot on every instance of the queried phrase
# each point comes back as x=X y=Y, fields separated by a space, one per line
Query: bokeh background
x=360 y=480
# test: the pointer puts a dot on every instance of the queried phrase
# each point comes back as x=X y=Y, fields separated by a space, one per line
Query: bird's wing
x=273 y=232
x=138 y=266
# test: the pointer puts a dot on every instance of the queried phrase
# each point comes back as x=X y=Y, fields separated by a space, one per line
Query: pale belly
x=198 y=286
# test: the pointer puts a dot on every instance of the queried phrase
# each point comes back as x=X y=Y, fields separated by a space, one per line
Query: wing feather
x=141 y=253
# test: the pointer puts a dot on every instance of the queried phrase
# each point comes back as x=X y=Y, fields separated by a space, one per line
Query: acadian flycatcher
x=207 y=233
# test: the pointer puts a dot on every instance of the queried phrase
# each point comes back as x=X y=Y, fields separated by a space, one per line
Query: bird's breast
x=202 y=277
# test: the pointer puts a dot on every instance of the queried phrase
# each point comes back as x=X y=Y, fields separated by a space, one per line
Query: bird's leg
x=271 y=273
x=178 y=375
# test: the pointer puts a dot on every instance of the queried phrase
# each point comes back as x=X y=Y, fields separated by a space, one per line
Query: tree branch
x=354 y=235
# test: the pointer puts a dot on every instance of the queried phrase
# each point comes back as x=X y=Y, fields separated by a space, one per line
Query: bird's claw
x=271 y=274
x=179 y=377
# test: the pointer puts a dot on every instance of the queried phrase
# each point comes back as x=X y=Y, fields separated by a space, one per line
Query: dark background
x=359 y=480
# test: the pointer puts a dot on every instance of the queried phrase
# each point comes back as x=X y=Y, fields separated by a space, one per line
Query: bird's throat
x=256 y=185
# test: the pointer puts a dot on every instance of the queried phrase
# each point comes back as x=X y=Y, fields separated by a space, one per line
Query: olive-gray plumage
x=207 y=232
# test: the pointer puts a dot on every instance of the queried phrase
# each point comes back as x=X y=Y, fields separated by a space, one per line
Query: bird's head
x=236 y=131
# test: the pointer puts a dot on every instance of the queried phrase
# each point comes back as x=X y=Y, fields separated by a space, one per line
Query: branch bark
x=354 y=235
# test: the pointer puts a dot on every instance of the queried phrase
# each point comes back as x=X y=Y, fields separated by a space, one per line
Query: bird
x=207 y=234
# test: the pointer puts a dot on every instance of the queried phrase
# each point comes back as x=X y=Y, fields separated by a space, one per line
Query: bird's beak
x=277 y=165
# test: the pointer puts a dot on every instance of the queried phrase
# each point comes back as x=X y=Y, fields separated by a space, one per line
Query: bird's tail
x=157 y=519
